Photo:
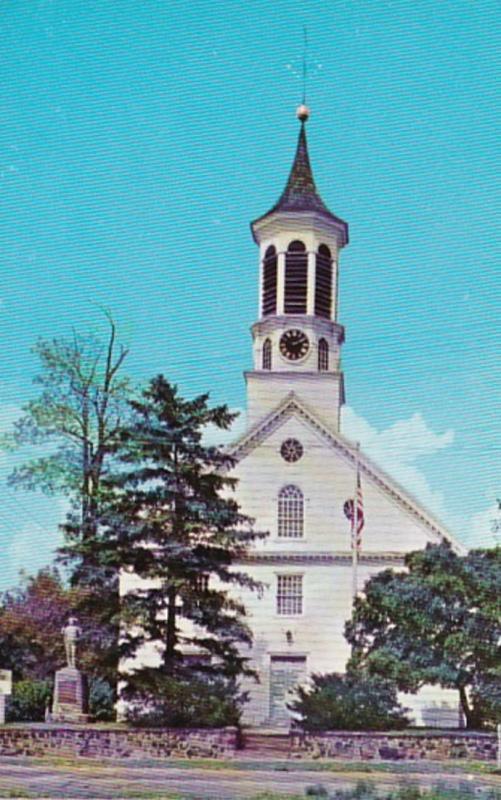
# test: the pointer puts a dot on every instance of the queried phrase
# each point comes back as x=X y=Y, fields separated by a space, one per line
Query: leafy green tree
x=173 y=523
x=437 y=623
x=101 y=700
x=486 y=697
x=28 y=701
x=196 y=700
x=76 y=418
x=348 y=702
x=31 y=620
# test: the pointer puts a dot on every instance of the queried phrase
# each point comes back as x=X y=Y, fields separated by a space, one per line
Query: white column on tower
x=260 y=284
x=310 y=295
x=334 y=289
x=281 y=283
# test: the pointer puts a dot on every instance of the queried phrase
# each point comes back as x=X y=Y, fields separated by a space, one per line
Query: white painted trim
x=311 y=278
x=290 y=406
x=280 y=283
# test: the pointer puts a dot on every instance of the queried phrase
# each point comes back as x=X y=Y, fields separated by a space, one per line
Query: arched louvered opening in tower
x=323 y=282
x=267 y=354
x=323 y=355
x=296 y=278
x=269 y=294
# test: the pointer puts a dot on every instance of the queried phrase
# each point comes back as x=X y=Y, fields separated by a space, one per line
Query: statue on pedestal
x=71 y=633
x=69 y=685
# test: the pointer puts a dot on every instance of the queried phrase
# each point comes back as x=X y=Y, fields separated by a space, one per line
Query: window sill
x=283 y=539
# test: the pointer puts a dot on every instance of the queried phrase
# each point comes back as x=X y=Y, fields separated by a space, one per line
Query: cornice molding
x=270 y=323
x=345 y=558
x=276 y=222
x=286 y=375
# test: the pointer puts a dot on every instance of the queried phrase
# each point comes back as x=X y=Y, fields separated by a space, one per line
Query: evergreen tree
x=173 y=523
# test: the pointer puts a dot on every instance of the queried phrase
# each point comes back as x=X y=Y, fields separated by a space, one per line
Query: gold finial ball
x=302 y=112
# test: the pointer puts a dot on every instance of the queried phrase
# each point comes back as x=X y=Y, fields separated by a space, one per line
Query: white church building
x=296 y=470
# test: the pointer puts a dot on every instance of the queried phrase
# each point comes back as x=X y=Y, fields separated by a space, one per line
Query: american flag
x=349 y=512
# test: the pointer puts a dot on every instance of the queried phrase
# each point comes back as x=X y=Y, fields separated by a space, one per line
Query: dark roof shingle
x=300 y=193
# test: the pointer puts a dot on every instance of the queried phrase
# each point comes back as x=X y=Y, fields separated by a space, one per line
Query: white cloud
x=8 y=415
x=32 y=544
x=480 y=529
x=29 y=531
x=31 y=549
x=397 y=448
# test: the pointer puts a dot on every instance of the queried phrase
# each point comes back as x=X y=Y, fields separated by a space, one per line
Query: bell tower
x=297 y=339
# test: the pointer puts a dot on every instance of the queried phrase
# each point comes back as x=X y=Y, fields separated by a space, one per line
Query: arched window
x=269 y=296
x=290 y=513
x=323 y=282
x=296 y=278
x=323 y=355
x=267 y=354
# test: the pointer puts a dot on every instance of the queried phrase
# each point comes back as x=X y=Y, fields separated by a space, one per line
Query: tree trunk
x=465 y=707
x=170 y=640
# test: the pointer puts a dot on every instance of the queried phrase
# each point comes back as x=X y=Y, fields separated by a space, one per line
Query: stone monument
x=5 y=691
x=70 y=689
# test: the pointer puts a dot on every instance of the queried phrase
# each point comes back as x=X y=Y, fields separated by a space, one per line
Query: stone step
x=267 y=745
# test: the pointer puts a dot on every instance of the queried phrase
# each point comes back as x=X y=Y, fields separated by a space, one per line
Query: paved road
x=120 y=780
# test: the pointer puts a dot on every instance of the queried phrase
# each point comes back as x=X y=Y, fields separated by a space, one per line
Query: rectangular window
x=289 y=594
x=201 y=583
x=196 y=659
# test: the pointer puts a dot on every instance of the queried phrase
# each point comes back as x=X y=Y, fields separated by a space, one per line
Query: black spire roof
x=300 y=193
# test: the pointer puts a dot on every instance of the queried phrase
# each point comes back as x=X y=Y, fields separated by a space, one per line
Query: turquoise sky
x=137 y=141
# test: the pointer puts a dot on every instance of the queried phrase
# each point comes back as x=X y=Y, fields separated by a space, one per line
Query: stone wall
x=412 y=746
x=42 y=740
x=102 y=742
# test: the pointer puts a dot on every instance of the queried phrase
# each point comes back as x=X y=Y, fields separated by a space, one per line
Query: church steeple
x=297 y=339
x=300 y=194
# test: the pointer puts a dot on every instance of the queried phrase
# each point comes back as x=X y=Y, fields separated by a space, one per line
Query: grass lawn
x=325 y=765
x=363 y=791
x=369 y=781
x=366 y=792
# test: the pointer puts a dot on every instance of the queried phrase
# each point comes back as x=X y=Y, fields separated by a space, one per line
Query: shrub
x=486 y=697
x=101 y=700
x=201 y=702
x=316 y=791
x=348 y=702
x=28 y=701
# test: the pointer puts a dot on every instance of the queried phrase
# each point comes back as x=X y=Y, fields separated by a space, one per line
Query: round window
x=291 y=450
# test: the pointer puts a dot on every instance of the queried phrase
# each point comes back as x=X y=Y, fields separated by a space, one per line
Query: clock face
x=294 y=344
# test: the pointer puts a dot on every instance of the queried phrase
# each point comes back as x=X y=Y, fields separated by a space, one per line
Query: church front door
x=285 y=673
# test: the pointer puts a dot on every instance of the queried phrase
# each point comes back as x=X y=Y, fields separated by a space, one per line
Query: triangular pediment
x=292 y=406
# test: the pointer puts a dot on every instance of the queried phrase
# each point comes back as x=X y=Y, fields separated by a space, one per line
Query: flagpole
x=354 y=529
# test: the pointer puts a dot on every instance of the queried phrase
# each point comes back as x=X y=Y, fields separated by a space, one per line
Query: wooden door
x=285 y=673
